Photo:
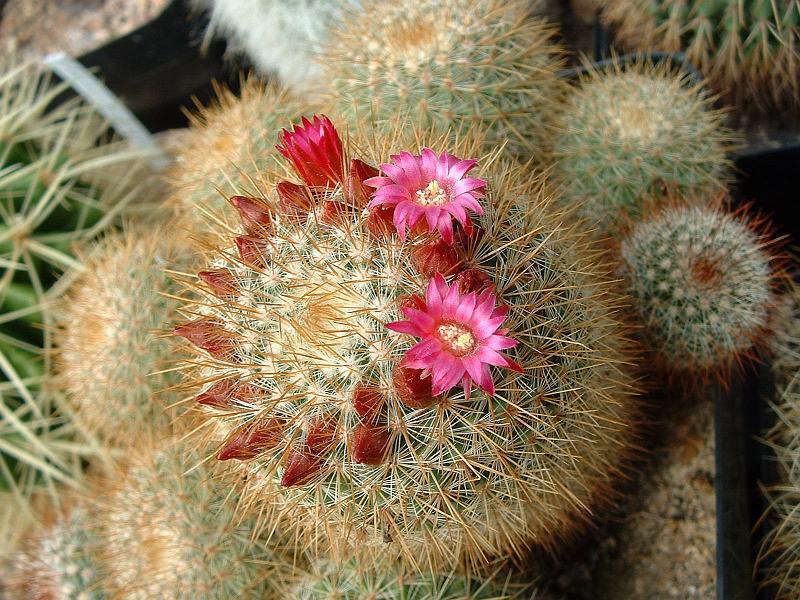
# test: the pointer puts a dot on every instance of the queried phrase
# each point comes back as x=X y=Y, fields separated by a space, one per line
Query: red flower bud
x=335 y=213
x=320 y=437
x=368 y=403
x=252 y=251
x=222 y=393
x=414 y=390
x=370 y=443
x=209 y=335
x=315 y=151
x=436 y=256
x=473 y=280
x=221 y=282
x=296 y=200
x=379 y=221
x=300 y=468
x=411 y=301
x=254 y=213
x=253 y=439
x=355 y=191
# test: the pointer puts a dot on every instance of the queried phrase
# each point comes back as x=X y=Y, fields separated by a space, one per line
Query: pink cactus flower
x=315 y=151
x=428 y=186
x=460 y=338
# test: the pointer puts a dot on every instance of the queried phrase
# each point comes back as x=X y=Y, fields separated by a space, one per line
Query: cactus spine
x=749 y=50
x=299 y=385
x=626 y=133
x=456 y=64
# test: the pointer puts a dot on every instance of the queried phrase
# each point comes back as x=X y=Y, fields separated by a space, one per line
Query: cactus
x=110 y=362
x=227 y=148
x=307 y=383
x=778 y=561
x=383 y=580
x=460 y=64
x=748 y=49
x=627 y=132
x=280 y=37
x=703 y=281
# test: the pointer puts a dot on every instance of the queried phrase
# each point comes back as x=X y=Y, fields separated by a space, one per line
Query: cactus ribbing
x=110 y=360
x=625 y=133
x=750 y=50
x=458 y=64
x=300 y=386
x=702 y=280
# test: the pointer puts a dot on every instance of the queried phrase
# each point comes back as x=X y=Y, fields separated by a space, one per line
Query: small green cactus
x=625 y=133
x=110 y=360
x=455 y=64
x=702 y=281
x=749 y=49
x=299 y=379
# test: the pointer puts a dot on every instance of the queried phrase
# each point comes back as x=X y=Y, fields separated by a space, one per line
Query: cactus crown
x=703 y=282
x=627 y=132
x=331 y=414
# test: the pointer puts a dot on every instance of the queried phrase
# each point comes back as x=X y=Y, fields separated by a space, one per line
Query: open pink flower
x=459 y=337
x=315 y=151
x=428 y=186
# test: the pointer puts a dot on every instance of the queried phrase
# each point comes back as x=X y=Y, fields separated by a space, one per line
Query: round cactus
x=702 y=281
x=500 y=429
x=749 y=50
x=452 y=63
x=57 y=563
x=624 y=134
x=227 y=148
x=383 y=580
x=110 y=359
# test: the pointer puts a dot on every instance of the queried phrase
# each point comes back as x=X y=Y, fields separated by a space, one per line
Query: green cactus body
x=455 y=64
x=110 y=361
x=748 y=49
x=703 y=282
x=624 y=135
x=297 y=371
x=58 y=564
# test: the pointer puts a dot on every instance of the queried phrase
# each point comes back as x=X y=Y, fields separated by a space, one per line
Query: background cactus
x=748 y=49
x=110 y=360
x=460 y=64
x=625 y=133
x=778 y=559
x=703 y=281
x=299 y=385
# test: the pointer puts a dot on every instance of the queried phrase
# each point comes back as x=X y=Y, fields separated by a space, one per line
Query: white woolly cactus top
x=424 y=369
x=703 y=282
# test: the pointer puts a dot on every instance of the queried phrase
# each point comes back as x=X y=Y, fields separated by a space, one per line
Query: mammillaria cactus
x=460 y=64
x=703 y=282
x=110 y=360
x=748 y=49
x=308 y=384
x=627 y=131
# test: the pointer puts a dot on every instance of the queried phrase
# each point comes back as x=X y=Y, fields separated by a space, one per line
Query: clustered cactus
x=748 y=49
x=458 y=64
x=627 y=135
x=305 y=383
x=703 y=281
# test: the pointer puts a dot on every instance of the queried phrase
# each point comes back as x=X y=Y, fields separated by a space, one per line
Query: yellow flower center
x=432 y=195
x=457 y=339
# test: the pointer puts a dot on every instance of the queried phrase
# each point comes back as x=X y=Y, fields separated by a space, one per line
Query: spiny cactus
x=228 y=146
x=703 y=282
x=778 y=558
x=384 y=580
x=110 y=359
x=460 y=64
x=282 y=37
x=352 y=435
x=750 y=49
x=57 y=563
x=624 y=133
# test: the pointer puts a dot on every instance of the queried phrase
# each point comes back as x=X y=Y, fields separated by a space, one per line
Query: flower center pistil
x=432 y=195
x=457 y=339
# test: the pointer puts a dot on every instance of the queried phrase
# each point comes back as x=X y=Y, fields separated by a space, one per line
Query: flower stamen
x=458 y=339
x=432 y=195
